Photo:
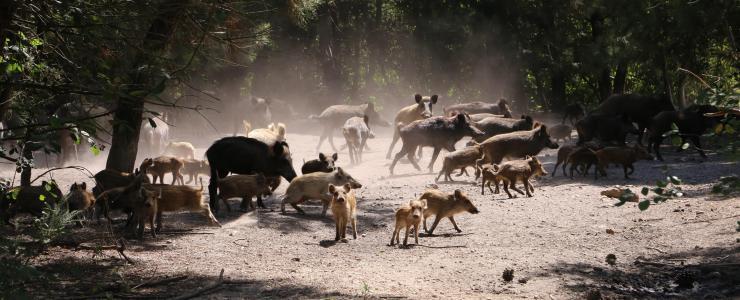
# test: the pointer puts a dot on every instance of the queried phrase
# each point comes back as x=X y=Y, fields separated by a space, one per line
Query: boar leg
x=393 y=236
x=406 y=238
x=434 y=225
x=226 y=203
x=463 y=170
x=512 y=185
x=159 y=220
x=354 y=227
x=260 y=204
x=416 y=233
x=434 y=158
x=337 y=224
x=454 y=224
x=506 y=189
x=697 y=144
x=324 y=134
x=555 y=169
x=344 y=228
x=393 y=144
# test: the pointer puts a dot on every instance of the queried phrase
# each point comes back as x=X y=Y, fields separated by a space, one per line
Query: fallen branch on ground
x=161 y=281
x=203 y=290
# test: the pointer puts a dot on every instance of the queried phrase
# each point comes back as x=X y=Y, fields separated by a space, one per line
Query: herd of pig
x=251 y=165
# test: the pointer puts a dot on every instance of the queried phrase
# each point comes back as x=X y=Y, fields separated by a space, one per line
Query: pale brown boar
x=516 y=145
x=560 y=132
x=145 y=209
x=182 y=150
x=489 y=175
x=421 y=110
x=334 y=116
x=166 y=164
x=315 y=186
x=275 y=132
x=478 y=117
x=80 y=199
x=520 y=170
x=356 y=132
x=344 y=209
x=443 y=205
x=180 y=198
x=407 y=216
x=194 y=168
x=459 y=159
x=501 y=108
x=29 y=199
x=625 y=156
x=244 y=187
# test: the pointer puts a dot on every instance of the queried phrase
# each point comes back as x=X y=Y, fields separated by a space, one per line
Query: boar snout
x=355 y=185
x=473 y=210
x=552 y=145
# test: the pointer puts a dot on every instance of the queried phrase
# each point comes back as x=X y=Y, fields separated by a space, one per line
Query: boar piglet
x=638 y=108
x=691 y=123
x=244 y=187
x=439 y=132
x=324 y=164
x=422 y=109
x=80 y=199
x=407 y=216
x=344 y=209
x=334 y=116
x=489 y=174
x=181 y=198
x=145 y=209
x=194 y=168
x=30 y=200
x=316 y=186
x=625 y=156
x=459 y=159
x=606 y=128
x=582 y=157
x=516 y=144
x=182 y=150
x=495 y=126
x=242 y=155
x=443 y=205
x=519 y=170
x=166 y=164
x=563 y=153
x=560 y=132
x=108 y=178
x=356 y=132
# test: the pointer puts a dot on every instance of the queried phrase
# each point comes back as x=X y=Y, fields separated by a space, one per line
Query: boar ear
x=417 y=98
x=347 y=188
x=322 y=157
x=528 y=119
x=543 y=129
x=332 y=188
x=424 y=203
x=84 y=185
x=461 y=118
x=366 y=119
x=340 y=172
x=434 y=99
x=335 y=156
x=458 y=194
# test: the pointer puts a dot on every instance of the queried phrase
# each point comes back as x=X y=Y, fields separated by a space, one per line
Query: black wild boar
x=516 y=144
x=419 y=111
x=691 y=124
x=439 y=132
x=573 y=113
x=479 y=117
x=605 y=128
x=495 y=126
x=640 y=109
x=324 y=164
x=29 y=199
x=500 y=108
x=356 y=132
x=242 y=155
x=582 y=157
x=334 y=116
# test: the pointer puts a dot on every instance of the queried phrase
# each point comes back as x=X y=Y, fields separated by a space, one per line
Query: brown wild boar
x=182 y=150
x=145 y=209
x=30 y=200
x=407 y=216
x=563 y=153
x=495 y=126
x=356 y=132
x=344 y=209
x=625 y=156
x=334 y=116
x=419 y=111
x=516 y=144
x=194 y=168
x=443 y=205
x=459 y=159
x=166 y=164
x=439 y=132
x=581 y=157
x=520 y=170
x=244 y=187
x=108 y=178
x=315 y=186
x=560 y=132
x=180 y=198
x=80 y=199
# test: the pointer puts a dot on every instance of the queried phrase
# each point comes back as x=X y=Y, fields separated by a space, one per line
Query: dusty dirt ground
x=556 y=242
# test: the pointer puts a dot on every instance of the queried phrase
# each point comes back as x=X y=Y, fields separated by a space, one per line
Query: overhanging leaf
x=152 y=123
x=643 y=205
x=645 y=191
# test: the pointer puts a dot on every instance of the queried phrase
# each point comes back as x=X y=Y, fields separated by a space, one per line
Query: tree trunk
x=557 y=90
x=328 y=54
x=128 y=117
x=620 y=78
x=683 y=102
x=7 y=9
x=605 y=84
x=668 y=88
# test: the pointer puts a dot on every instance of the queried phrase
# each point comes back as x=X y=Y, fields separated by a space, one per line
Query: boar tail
x=201 y=184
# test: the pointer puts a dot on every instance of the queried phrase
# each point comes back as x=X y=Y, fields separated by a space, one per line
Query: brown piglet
x=625 y=156
x=344 y=209
x=520 y=170
x=407 y=216
x=443 y=205
x=245 y=187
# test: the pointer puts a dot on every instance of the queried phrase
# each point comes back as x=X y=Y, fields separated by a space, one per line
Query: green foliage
x=53 y=223
x=663 y=190
x=727 y=185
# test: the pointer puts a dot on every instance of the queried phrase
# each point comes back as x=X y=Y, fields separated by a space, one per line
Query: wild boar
x=334 y=116
x=500 y=108
x=108 y=179
x=520 y=170
x=194 y=168
x=315 y=186
x=439 y=132
x=495 y=126
x=180 y=198
x=407 y=216
x=605 y=128
x=275 y=132
x=356 y=132
x=459 y=159
x=489 y=174
x=166 y=164
x=582 y=157
x=30 y=200
x=691 y=123
x=324 y=164
x=516 y=145
x=242 y=155
x=80 y=199
x=640 y=109
x=244 y=187
x=419 y=111
x=145 y=209
x=625 y=156
x=255 y=109
x=182 y=150
x=443 y=205
x=479 y=117
x=563 y=153
x=121 y=198
x=560 y=132
x=573 y=112
x=344 y=209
